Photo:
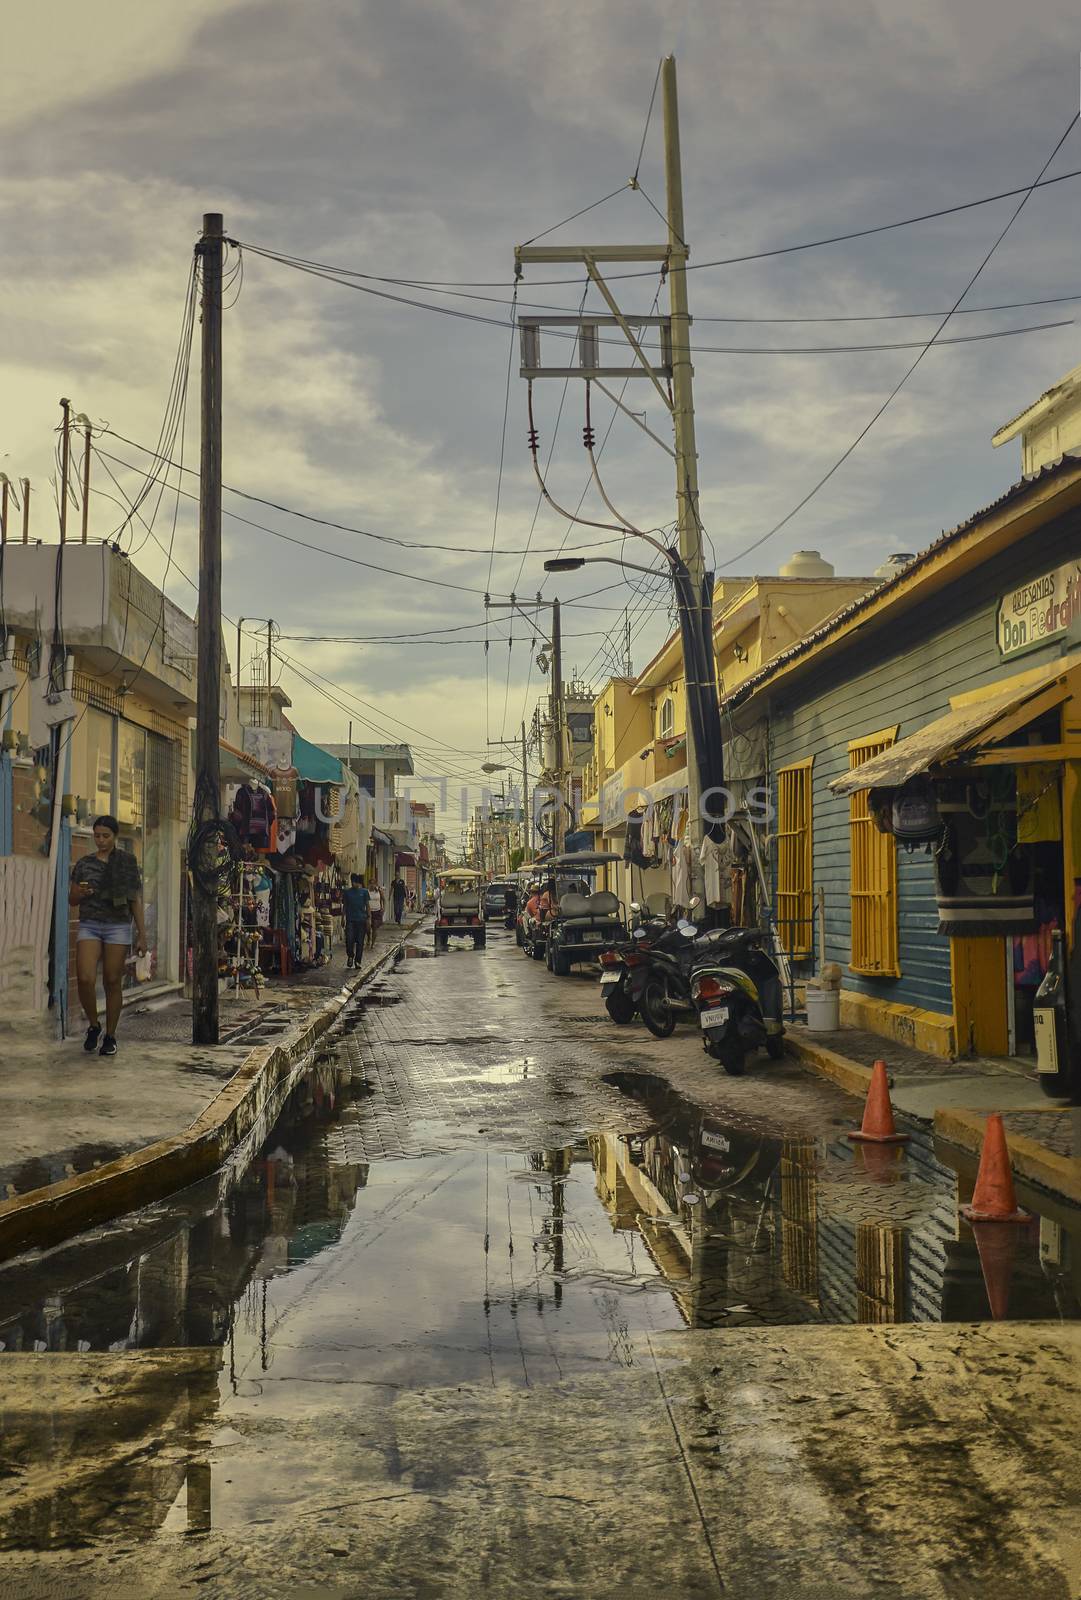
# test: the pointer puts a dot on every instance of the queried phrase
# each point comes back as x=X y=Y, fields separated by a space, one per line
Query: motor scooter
x=736 y=988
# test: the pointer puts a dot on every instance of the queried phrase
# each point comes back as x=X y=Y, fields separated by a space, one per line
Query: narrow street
x=516 y=1302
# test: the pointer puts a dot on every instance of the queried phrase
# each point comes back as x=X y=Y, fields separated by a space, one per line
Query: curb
x=850 y=1075
x=47 y=1216
x=1029 y=1158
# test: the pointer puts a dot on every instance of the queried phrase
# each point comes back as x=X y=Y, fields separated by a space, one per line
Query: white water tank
x=894 y=564
x=806 y=564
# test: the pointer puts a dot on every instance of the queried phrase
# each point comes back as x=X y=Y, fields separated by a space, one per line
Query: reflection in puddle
x=324 y=1269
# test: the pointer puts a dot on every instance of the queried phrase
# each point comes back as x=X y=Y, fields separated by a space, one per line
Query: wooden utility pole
x=208 y=770
x=3 y=508
x=25 y=483
x=65 y=458
x=269 y=672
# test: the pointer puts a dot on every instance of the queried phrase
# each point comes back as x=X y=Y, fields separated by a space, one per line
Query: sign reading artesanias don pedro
x=1037 y=610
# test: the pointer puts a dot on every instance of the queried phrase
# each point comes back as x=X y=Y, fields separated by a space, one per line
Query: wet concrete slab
x=513 y=1301
x=860 y=1462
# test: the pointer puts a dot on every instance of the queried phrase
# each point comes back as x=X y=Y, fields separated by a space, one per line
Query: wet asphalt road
x=483 y=1187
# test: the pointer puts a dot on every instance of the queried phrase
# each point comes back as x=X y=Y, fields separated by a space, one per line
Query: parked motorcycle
x=660 y=982
x=736 y=987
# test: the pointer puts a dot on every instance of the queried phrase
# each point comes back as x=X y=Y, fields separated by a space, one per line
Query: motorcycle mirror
x=635 y=906
x=696 y=901
x=688 y=930
x=639 y=933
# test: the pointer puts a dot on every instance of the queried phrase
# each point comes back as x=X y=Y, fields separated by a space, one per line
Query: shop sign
x=1039 y=609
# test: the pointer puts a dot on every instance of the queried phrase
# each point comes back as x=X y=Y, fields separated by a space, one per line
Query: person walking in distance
x=375 y=917
x=397 y=894
x=107 y=887
x=357 y=902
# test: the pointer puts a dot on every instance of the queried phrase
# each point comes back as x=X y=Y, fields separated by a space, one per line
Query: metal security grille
x=794 y=859
x=163 y=780
x=93 y=693
x=874 y=875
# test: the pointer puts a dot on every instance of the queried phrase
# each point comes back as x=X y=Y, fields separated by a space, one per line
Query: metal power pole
x=208 y=771
x=558 y=720
x=269 y=673
x=690 y=530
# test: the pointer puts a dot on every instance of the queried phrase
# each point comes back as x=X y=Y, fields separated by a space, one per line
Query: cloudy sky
x=422 y=139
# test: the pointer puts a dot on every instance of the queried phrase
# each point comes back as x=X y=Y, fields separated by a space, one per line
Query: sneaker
x=93 y=1034
x=108 y=1046
x=349 y=964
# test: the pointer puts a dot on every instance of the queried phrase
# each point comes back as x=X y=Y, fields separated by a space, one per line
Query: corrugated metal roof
x=835 y=624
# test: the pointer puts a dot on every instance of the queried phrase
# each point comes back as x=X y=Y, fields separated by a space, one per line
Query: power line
x=895 y=391
x=691 y=266
x=326 y=522
x=331 y=276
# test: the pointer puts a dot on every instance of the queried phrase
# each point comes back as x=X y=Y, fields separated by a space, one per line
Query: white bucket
x=823 y=1010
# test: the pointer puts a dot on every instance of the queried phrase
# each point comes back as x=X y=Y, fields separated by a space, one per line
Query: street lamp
x=703 y=706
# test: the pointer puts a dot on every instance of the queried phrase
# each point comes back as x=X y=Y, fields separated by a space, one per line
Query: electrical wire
x=323 y=522
x=691 y=266
x=746 y=350
x=895 y=391
x=645 y=130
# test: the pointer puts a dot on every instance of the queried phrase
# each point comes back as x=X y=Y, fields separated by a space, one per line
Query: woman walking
x=107 y=888
x=375 y=917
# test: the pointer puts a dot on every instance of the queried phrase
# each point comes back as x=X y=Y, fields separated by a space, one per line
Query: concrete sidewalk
x=77 y=1128
x=956 y=1097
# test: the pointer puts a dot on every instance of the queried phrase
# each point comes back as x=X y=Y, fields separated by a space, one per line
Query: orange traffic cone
x=993 y=1199
x=878 y=1125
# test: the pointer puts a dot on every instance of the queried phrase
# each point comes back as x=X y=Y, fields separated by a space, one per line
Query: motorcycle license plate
x=592 y=938
x=715 y=1018
x=608 y=979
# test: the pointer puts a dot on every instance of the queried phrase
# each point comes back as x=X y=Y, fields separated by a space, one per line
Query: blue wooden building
x=962 y=671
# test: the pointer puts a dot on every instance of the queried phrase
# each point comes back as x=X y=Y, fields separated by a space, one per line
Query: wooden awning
x=976 y=721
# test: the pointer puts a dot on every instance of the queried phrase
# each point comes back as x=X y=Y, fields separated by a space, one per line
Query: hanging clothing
x=714 y=859
x=681 y=875
x=253 y=815
x=284 y=781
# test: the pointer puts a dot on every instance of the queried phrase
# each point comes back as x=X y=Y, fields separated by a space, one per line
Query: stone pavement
x=64 y=1112
x=956 y=1096
x=464 y=1327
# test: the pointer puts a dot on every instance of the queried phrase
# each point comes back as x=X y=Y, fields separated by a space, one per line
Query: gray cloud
x=425 y=138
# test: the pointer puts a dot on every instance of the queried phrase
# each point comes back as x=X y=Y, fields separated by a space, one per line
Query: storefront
x=924 y=750
x=989 y=790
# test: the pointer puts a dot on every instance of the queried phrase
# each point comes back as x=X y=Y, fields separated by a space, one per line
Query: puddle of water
x=325 y=1271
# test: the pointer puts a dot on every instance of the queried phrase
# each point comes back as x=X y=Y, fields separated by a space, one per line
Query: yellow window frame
x=875 y=934
x=795 y=858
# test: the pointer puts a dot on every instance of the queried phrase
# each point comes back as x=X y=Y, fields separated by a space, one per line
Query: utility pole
x=65 y=457
x=527 y=815
x=690 y=529
x=86 y=478
x=557 y=712
x=670 y=372
x=559 y=831
x=208 y=771
x=269 y=672
x=25 y=484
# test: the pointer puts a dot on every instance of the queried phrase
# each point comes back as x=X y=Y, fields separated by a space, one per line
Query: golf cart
x=459 y=907
x=584 y=922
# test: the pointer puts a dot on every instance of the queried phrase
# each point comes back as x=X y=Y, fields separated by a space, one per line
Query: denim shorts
x=107 y=932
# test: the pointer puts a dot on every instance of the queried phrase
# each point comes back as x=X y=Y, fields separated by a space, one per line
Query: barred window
x=874 y=874
x=794 y=859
